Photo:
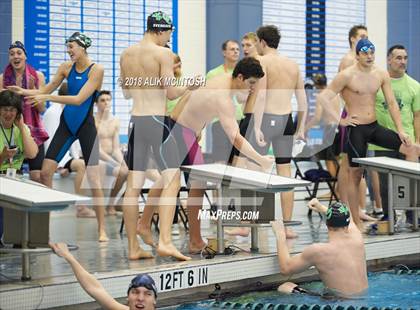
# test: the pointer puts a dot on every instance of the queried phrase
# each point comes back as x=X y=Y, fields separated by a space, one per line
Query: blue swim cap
x=143 y=280
x=338 y=215
x=364 y=45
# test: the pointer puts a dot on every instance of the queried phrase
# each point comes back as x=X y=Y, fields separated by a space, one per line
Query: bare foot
x=286 y=287
x=139 y=254
x=84 y=211
x=364 y=217
x=111 y=210
x=196 y=247
x=63 y=172
x=170 y=250
x=238 y=231
x=103 y=237
x=146 y=235
x=290 y=234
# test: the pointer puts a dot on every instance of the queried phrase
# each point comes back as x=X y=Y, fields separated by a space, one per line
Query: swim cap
x=159 y=21
x=143 y=280
x=81 y=39
x=364 y=45
x=338 y=215
x=17 y=44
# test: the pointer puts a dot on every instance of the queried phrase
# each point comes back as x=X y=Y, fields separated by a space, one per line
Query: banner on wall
x=113 y=25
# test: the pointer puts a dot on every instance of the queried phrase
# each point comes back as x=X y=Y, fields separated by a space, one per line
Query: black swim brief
x=358 y=137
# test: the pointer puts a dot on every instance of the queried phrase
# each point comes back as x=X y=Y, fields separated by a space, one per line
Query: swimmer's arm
x=302 y=105
x=250 y=101
x=226 y=115
x=315 y=205
x=290 y=264
x=392 y=103
x=1 y=82
x=125 y=91
x=328 y=96
x=260 y=101
x=59 y=76
x=106 y=157
x=87 y=281
x=56 y=81
x=93 y=83
x=316 y=118
x=167 y=74
x=117 y=153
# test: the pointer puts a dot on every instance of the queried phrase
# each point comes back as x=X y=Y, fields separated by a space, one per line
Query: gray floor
x=111 y=257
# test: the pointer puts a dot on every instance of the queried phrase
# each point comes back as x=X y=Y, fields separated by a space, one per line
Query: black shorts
x=151 y=132
x=357 y=139
x=221 y=146
x=63 y=139
x=333 y=150
x=36 y=163
x=278 y=130
x=246 y=129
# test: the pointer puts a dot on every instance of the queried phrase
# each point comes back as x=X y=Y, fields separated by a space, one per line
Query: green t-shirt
x=16 y=140
x=220 y=70
x=407 y=93
x=170 y=105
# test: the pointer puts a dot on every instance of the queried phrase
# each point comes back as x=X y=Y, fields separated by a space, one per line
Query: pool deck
x=109 y=262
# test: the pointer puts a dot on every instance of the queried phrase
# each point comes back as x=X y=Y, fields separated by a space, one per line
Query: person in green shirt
x=170 y=104
x=16 y=142
x=221 y=147
x=407 y=93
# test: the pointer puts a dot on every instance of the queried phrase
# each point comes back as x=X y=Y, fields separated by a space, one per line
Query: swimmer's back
x=282 y=76
x=342 y=265
x=141 y=66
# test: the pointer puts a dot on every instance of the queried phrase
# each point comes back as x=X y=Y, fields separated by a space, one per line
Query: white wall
x=18 y=29
x=192 y=36
x=376 y=22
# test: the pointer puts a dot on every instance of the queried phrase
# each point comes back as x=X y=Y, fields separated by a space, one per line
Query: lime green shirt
x=170 y=105
x=407 y=93
x=220 y=70
x=18 y=141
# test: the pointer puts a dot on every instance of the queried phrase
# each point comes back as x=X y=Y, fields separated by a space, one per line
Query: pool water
x=386 y=289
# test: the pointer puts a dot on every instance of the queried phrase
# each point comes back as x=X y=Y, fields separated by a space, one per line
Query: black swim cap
x=143 y=280
x=18 y=44
x=338 y=215
x=159 y=21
